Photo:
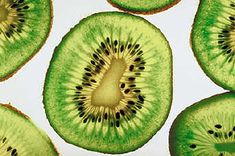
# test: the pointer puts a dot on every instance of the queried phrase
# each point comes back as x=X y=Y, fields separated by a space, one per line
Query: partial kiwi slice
x=213 y=41
x=143 y=6
x=206 y=128
x=20 y=137
x=24 y=27
x=109 y=84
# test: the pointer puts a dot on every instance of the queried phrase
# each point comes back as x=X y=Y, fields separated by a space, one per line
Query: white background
x=24 y=89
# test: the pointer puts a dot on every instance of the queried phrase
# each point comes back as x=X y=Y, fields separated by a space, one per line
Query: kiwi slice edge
x=8 y=140
x=195 y=131
x=53 y=85
x=145 y=11
x=211 y=41
x=10 y=71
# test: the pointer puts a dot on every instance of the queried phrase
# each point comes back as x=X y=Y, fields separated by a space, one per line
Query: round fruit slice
x=109 y=84
x=205 y=128
x=143 y=6
x=24 y=27
x=20 y=137
x=213 y=41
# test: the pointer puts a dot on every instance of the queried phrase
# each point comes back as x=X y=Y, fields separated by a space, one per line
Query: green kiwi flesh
x=205 y=128
x=24 y=27
x=109 y=84
x=143 y=6
x=213 y=40
x=20 y=137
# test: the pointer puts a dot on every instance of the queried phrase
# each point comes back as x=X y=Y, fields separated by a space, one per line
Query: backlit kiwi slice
x=143 y=6
x=109 y=84
x=206 y=128
x=213 y=40
x=24 y=27
x=20 y=137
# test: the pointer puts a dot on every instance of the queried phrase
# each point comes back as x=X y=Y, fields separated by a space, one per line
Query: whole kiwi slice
x=24 y=27
x=213 y=42
x=109 y=84
x=20 y=137
x=205 y=128
x=143 y=6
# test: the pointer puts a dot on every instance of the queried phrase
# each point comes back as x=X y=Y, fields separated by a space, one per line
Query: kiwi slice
x=20 y=137
x=24 y=27
x=213 y=42
x=109 y=84
x=205 y=128
x=143 y=6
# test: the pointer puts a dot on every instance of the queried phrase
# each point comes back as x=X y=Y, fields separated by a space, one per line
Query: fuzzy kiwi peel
x=20 y=137
x=212 y=41
x=143 y=6
x=24 y=28
x=205 y=128
x=109 y=84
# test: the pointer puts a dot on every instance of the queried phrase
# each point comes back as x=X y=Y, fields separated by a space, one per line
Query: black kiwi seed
x=123 y=85
x=92 y=80
x=221 y=41
x=137 y=46
x=193 y=146
x=105 y=116
x=230 y=134
x=13 y=152
x=231 y=18
x=216 y=135
x=82 y=114
x=127 y=91
x=229 y=51
x=137 y=91
x=102 y=62
x=122 y=112
x=122 y=48
x=95 y=56
x=210 y=132
x=107 y=39
x=106 y=51
x=26 y=7
x=9 y=148
x=131 y=102
x=115 y=42
x=137 y=59
x=4 y=139
x=133 y=111
x=132 y=85
x=234 y=128
x=131 y=68
x=131 y=78
x=79 y=87
x=218 y=126
x=225 y=47
x=118 y=115
x=140 y=98
x=117 y=124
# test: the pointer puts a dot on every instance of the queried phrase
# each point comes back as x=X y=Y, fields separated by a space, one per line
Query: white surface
x=24 y=90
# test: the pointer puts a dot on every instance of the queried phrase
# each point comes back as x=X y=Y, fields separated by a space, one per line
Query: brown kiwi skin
x=154 y=11
x=27 y=118
x=67 y=141
x=19 y=67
